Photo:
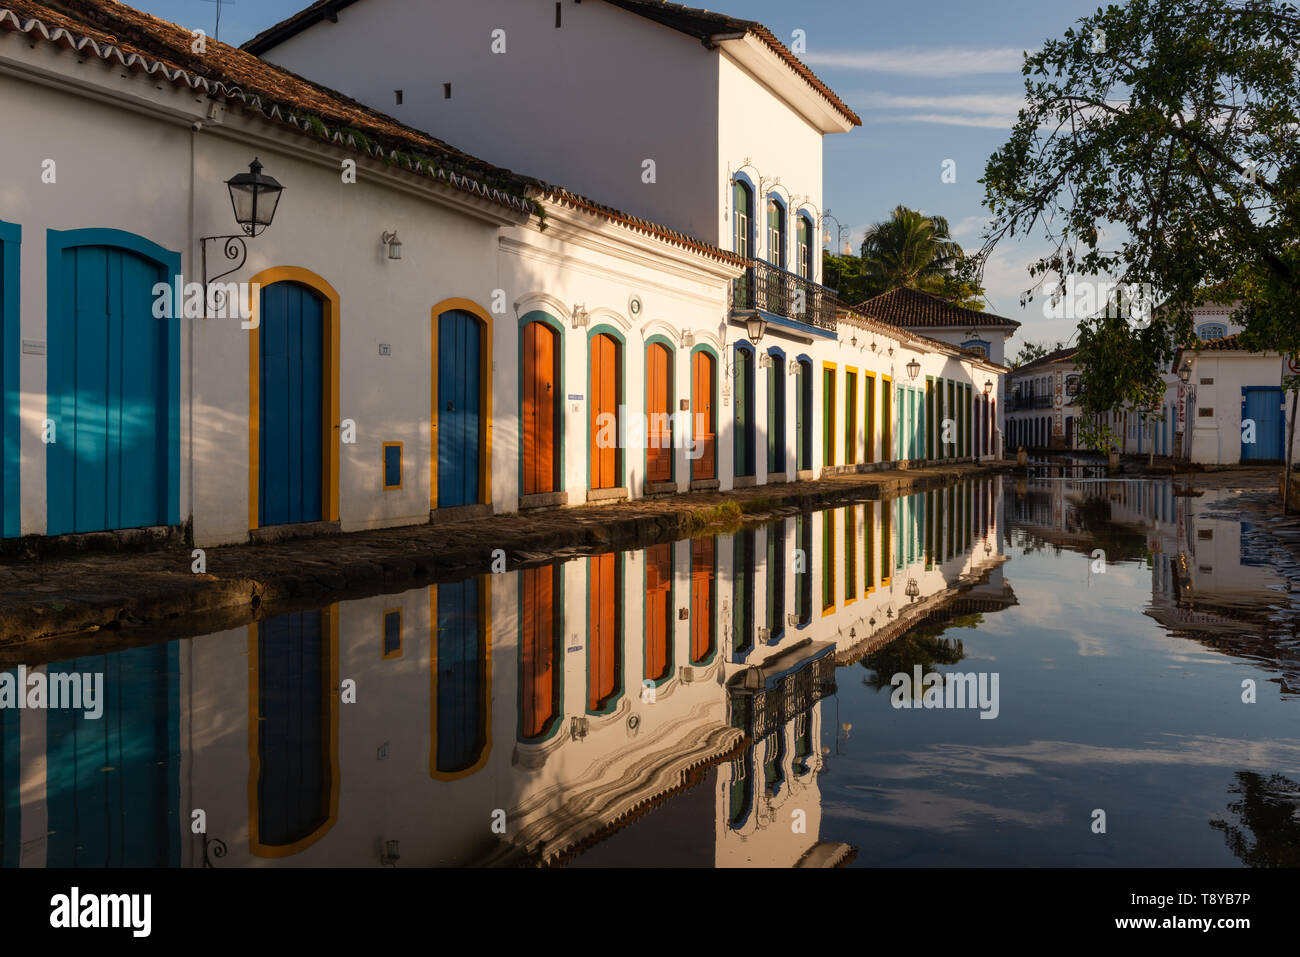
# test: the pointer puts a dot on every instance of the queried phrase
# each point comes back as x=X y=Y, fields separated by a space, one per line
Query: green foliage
x=1032 y=351
x=1158 y=146
x=908 y=249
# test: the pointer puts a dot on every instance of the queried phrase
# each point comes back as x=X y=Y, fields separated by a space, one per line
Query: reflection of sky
x=1100 y=708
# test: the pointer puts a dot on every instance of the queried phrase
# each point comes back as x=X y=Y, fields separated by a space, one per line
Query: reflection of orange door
x=602 y=624
x=704 y=426
x=658 y=401
x=539 y=408
x=538 y=651
x=604 y=412
x=702 y=575
x=658 y=610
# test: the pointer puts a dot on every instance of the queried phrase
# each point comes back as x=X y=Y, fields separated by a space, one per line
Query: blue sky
x=931 y=80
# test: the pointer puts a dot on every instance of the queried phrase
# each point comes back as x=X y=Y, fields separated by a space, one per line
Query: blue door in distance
x=461 y=678
x=459 y=351
x=1264 y=405
x=112 y=371
x=113 y=782
x=291 y=404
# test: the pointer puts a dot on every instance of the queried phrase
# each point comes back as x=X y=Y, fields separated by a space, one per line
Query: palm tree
x=911 y=249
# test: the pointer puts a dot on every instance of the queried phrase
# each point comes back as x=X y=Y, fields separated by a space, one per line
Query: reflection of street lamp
x=912 y=589
x=913 y=369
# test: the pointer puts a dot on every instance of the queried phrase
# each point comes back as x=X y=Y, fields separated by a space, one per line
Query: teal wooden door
x=291 y=406
x=459 y=403
x=744 y=438
x=113 y=389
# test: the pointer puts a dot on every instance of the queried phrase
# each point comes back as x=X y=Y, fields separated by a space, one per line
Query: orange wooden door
x=602 y=623
x=658 y=610
x=658 y=406
x=604 y=409
x=702 y=577
x=705 y=426
x=538 y=664
x=539 y=408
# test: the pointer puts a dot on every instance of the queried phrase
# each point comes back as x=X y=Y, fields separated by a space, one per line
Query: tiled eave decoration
x=11 y=21
x=564 y=197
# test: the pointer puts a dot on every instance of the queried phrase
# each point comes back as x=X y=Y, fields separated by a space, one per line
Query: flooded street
x=1108 y=675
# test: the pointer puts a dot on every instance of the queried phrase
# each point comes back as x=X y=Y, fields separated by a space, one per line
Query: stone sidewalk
x=125 y=599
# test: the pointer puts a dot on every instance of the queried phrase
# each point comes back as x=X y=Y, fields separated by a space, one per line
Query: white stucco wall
x=1217 y=439
x=582 y=106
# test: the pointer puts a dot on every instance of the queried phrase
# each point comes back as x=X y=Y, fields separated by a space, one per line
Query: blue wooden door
x=1263 y=404
x=109 y=366
x=459 y=399
x=294 y=746
x=113 y=782
x=291 y=405
x=461 y=662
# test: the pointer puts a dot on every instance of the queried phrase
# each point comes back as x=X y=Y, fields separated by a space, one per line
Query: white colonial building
x=414 y=333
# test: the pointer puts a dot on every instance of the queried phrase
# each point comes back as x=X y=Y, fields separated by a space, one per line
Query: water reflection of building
x=513 y=718
x=1212 y=580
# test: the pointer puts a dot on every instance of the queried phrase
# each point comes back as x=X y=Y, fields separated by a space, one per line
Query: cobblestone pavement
x=124 y=599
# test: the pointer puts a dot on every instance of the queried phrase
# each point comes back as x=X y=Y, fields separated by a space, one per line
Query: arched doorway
x=658 y=407
x=704 y=426
x=113 y=385
x=462 y=370
x=606 y=386
x=540 y=405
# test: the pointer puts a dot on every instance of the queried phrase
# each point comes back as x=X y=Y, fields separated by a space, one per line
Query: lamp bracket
x=235 y=249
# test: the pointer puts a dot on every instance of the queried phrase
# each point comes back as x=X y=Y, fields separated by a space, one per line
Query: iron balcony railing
x=1021 y=402
x=762 y=711
x=771 y=289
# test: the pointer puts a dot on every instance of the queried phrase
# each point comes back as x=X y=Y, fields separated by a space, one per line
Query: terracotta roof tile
x=110 y=30
x=912 y=308
x=1060 y=355
x=701 y=24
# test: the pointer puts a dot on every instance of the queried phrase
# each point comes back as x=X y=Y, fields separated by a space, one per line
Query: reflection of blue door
x=459 y=345
x=10 y=237
x=294 y=768
x=460 y=661
x=112 y=389
x=113 y=782
x=291 y=405
x=1263 y=404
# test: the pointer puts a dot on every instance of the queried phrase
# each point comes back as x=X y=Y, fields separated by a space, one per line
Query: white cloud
x=914 y=61
x=961 y=102
x=958 y=119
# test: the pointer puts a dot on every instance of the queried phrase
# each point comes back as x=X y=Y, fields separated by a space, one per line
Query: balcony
x=1020 y=403
x=769 y=289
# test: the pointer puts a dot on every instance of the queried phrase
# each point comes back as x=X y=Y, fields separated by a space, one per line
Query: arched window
x=1211 y=330
x=804 y=247
x=776 y=232
x=980 y=346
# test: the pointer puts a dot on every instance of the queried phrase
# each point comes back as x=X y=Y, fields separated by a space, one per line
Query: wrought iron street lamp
x=254 y=197
x=988 y=386
x=1185 y=372
x=913 y=369
x=755 y=326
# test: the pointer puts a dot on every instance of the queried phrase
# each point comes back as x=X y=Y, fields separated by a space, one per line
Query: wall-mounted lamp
x=913 y=369
x=1185 y=372
x=890 y=350
x=988 y=386
x=755 y=326
x=254 y=199
x=580 y=317
x=394 y=245
x=688 y=339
